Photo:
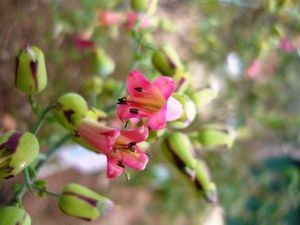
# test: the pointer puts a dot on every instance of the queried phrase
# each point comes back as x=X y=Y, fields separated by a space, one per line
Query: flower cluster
x=150 y=102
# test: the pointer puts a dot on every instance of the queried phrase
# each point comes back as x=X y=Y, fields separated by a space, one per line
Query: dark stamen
x=122 y=101
x=131 y=144
x=148 y=154
x=138 y=89
x=134 y=111
x=126 y=124
x=121 y=164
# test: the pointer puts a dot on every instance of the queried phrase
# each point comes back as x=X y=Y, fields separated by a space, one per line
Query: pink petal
x=123 y=112
x=135 y=80
x=157 y=121
x=166 y=85
x=174 y=109
x=136 y=160
x=113 y=169
x=98 y=135
x=135 y=135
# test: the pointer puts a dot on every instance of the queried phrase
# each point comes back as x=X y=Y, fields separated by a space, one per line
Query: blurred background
x=248 y=49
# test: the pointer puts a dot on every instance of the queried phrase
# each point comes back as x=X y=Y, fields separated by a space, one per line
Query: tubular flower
x=146 y=99
x=120 y=147
x=108 y=18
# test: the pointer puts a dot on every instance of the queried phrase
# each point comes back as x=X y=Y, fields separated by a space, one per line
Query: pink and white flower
x=148 y=100
x=134 y=17
x=119 y=146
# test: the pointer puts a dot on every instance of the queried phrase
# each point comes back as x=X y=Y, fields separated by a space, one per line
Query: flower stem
x=33 y=103
x=52 y=150
x=41 y=119
x=46 y=191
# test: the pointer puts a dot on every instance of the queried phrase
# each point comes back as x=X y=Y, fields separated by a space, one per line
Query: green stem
x=33 y=103
x=41 y=119
x=46 y=191
x=52 y=150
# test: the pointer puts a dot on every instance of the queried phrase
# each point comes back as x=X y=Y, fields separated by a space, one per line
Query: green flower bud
x=203 y=182
x=179 y=151
x=182 y=80
x=188 y=115
x=79 y=201
x=102 y=63
x=31 y=74
x=202 y=97
x=93 y=86
x=154 y=135
x=10 y=215
x=213 y=135
x=70 y=108
x=17 y=151
x=166 y=61
x=96 y=114
x=139 y=5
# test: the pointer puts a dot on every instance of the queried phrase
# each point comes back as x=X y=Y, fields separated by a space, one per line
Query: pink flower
x=254 y=70
x=120 y=147
x=147 y=100
x=286 y=45
x=134 y=17
x=109 y=18
x=81 y=42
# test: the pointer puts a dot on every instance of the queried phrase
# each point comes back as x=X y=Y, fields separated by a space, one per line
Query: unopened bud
x=31 y=74
x=103 y=64
x=188 y=114
x=166 y=61
x=93 y=86
x=203 y=96
x=10 y=215
x=154 y=135
x=17 y=151
x=139 y=5
x=213 y=135
x=70 y=108
x=203 y=182
x=179 y=150
x=81 y=202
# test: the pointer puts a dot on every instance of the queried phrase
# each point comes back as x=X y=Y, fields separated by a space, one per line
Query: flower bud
x=111 y=85
x=203 y=96
x=93 y=86
x=166 y=61
x=139 y=5
x=81 y=202
x=10 y=215
x=213 y=135
x=31 y=74
x=188 y=114
x=70 y=108
x=203 y=182
x=154 y=135
x=179 y=150
x=96 y=115
x=102 y=63
x=17 y=151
